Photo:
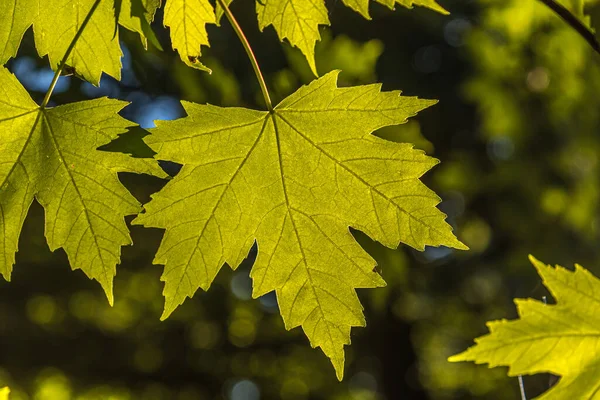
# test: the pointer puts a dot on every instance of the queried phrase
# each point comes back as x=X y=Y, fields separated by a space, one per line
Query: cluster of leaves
x=293 y=179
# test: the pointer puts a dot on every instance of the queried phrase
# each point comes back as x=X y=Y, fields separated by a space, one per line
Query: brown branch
x=574 y=22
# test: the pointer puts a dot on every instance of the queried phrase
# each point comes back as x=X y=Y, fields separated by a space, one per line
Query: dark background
x=516 y=129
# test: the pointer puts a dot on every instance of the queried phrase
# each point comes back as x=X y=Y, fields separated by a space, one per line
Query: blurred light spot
x=500 y=148
x=117 y=318
x=52 y=384
x=436 y=253
x=427 y=60
x=482 y=287
x=191 y=393
x=453 y=204
x=284 y=82
x=364 y=380
x=293 y=389
x=413 y=306
x=35 y=79
x=582 y=161
x=17 y=394
x=263 y=363
x=241 y=285
x=156 y=391
x=554 y=200
x=147 y=358
x=204 y=335
x=127 y=75
x=83 y=305
x=43 y=310
x=242 y=332
x=476 y=234
x=244 y=390
x=162 y=108
x=143 y=287
x=108 y=87
x=455 y=31
x=538 y=79
x=269 y=302
x=105 y=392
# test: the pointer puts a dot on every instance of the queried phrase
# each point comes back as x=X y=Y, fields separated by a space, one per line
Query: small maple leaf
x=293 y=180
x=51 y=155
x=559 y=338
x=295 y=20
x=187 y=20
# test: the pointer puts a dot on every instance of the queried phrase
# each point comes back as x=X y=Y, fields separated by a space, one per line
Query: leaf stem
x=63 y=62
x=249 y=52
x=574 y=22
x=522 y=388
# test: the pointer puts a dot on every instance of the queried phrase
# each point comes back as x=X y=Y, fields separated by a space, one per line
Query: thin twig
x=522 y=388
x=251 y=56
x=574 y=22
x=63 y=62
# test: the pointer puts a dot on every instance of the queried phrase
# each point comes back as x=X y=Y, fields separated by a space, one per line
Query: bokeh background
x=516 y=129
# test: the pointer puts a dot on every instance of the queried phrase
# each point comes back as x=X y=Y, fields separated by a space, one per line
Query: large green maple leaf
x=298 y=20
x=293 y=180
x=56 y=23
x=51 y=155
x=561 y=338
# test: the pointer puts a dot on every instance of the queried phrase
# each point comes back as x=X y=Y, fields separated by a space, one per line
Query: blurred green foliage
x=517 y=133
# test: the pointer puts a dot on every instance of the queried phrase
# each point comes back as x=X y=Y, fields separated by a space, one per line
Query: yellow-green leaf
x=362 y=6
x=560 y=338
x=187 y=20
x=4 y=392
x=15 y=17
x=294 y=181
x=295 y=20
x=51 y=155
x=96 y=51
x=137 y=15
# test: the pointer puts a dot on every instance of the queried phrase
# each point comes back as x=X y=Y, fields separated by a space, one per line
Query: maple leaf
x=362 y=6
x=556 y=338
x=56 y=23
x=15 y=18
x=298 y=20
x=293 y=180
x=187 y=20
x=137 y=15
x=295 y=20
x=51 y=155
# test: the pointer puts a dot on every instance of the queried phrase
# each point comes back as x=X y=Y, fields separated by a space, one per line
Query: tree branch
x=574 y=22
